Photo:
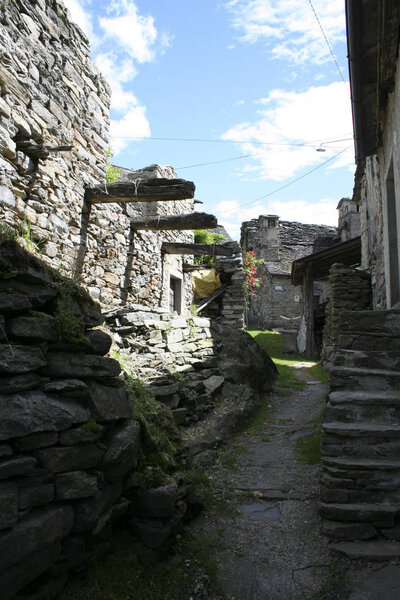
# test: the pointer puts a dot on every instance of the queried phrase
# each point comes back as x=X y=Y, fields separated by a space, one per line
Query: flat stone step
x=357 y=413
x=368 y=341
x=379 y=514
x=362 y=429
x=375 y=550
x=369 y=359
x=382 y=464
x=356 y=378
x=364 y=397
x=375 y=322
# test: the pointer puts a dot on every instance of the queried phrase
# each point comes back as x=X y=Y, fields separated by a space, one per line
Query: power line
x=255 y=143
x=327 y=43
x=290 y=182
x=226 y=160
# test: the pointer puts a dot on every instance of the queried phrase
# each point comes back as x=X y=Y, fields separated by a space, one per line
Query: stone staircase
x=360 y=481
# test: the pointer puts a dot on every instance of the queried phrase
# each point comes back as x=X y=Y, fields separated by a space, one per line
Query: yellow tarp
x=205 y=283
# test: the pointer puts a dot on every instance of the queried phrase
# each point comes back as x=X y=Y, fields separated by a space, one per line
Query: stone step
x=369 y=359
x=338 y=531
x=355 y=413
x=368 y=341
x=386 y=322
x=370 y=486
x=360 y=440
x=374 y=550
x=387 y=430
x=357 y=464
x=364 y=397
x=381 y=515
x=352 y=378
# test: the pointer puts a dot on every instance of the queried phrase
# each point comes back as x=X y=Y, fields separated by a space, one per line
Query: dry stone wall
x=350 y=290
x=52 y=94
x=68 y=442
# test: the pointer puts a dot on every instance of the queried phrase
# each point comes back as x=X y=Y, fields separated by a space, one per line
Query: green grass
x=308 y=448
x=272 y=343
x=319 y=373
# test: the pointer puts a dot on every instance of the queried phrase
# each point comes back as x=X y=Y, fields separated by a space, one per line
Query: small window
x=271 y=223
x=175 y=295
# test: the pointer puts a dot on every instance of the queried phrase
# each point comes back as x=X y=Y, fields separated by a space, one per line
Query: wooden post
x=150 y=190
x=309 y=311
x=189 y=221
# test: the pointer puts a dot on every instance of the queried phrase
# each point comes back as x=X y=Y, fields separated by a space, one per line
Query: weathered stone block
x=76 y=484
x=213 y=383
x=19 y=383
x=81 y=456
x=20 y=359
x=36 y=440
x=33 y=493
x=8 y=504
x=40 y=328
x=100 y=341
x=122 y=453
x=28 y=412
x=14 y=303
x=88 y=512
x=109 y=403
x=62 y=364
x=157 y=502
x=11 y=467
x=67 y=387
x=37 y=531
x=80 y=435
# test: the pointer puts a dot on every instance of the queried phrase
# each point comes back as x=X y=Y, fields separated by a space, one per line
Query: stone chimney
x=269 y=237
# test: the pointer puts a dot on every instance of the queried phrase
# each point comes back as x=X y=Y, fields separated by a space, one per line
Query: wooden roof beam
x=196 y=249
x=150 y=190
x=175 y=222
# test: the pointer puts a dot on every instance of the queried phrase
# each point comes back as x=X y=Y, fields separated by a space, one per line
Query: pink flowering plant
x=251 y=281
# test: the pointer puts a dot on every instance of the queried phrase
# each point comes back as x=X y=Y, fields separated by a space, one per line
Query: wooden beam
x=189 y=268
x=309 y=311
x=196 y=249
x=178 y=222
x=150 y=190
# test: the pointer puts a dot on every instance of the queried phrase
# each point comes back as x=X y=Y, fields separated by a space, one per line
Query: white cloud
x=289 y=28
x=231 y=214
x=315 y=115
x=134 y=123
x=133 y=32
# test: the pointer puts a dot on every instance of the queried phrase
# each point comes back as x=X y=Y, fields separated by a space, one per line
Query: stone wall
x=377 y=187
x=52 y=94
x=68 y=441
x=279 y=304
x=350 y=290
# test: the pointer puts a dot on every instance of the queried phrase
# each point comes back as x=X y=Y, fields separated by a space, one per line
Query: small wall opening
x=175 y=295
x=393 y=239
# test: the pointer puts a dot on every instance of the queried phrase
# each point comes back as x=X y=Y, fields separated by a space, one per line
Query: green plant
x=202 y=236
x=92 y=426
x=25 y=237
x=251 y=280
x=113 y=174
x=319 y=373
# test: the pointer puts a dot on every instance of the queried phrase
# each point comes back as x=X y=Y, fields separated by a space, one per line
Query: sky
x=247 y=98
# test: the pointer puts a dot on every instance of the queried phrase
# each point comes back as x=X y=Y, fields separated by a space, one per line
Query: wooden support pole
x=175 y=222
x=150 y=190
x=196 y=249
x=309 y=311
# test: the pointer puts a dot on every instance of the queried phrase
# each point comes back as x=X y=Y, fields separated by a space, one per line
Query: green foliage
x=70 y=326
x=319 y=373
x=308 y=448
x=202 y=236
x=113 y=174
x=7 y=233
x=92 y=426
x=251 y=281
x=272 y=343
x=25 y=238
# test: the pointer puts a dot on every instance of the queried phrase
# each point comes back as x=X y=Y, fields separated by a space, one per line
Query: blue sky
x=256 y=77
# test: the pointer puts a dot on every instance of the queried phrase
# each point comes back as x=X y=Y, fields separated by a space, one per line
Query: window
x=175 y=295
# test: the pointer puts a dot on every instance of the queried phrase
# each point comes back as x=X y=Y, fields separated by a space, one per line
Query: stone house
x=279 y=304
x=360 y=493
